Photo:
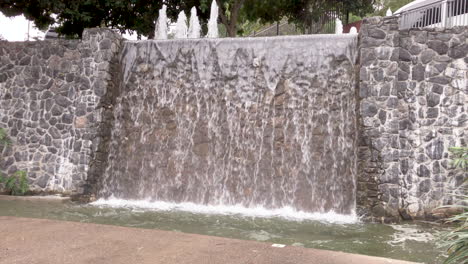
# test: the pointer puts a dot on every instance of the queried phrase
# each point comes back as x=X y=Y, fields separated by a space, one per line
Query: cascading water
x=161 y=24
x=181 y=26
x=213 y=22
x=338 y=26
x=265 y=123
x=194 y=27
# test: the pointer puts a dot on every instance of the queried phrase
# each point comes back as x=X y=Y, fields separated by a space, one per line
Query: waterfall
x=213 y=22
x=161 y=25
x=181 y=26
x=251 y=123
x=194 y=28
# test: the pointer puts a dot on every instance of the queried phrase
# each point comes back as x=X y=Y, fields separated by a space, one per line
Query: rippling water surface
x=409 y=241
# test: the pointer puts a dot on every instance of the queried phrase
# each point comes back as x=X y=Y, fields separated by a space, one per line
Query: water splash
x=338 y=26
x=181 y=26
x=353 y=30
x=288 y=213
x=161 y=25
x=389 y=12
x=213 y=22
x=194 y=28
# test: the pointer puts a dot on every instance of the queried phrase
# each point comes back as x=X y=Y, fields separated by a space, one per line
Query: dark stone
x=377 y=33
x=435 y=149
x=438 y=89
x=418 y=73
x=382 y=116
x=440 y=80
x=427 y=56
x=402 y=76
x=368 y=56
x=56 y=110
x=105 y=44
x=368 y=109
x=404 y=166
x=42 y=181
x=432 y=99
x=439 y=46
x=423 y=171
x=425 y=186
x=25 y=61
x=405 y=55
x=100 y=88
x=53 y=121
x=415 y=49
x=440 y=67
x=432 y=112
x=62 y=101
x=404 y=214
x=67 y=118
x=19 y=113
x=458 y=51
x=436 y=167
x=392 y=102
x=55 y=133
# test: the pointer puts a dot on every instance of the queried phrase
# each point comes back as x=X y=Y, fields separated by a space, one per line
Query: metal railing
x=443 y=13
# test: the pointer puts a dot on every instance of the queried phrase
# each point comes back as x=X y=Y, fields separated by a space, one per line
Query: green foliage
x=4 y=140
x=16 y=184
x=140 y=15
x=383 y=5
x=456 y=241
x=460 y=160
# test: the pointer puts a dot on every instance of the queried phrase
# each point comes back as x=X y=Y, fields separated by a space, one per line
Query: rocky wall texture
x=53 y=100
x=413 y=107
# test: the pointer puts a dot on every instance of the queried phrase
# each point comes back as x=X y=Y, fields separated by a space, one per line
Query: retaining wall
x=53 y=101
x=56 y=102
x=413 y=106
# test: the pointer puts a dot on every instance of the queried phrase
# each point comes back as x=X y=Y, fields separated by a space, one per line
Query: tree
x=381 y=6
x=72 y=16
x=303 y=12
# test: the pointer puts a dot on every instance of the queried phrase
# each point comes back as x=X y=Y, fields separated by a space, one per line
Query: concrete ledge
x=48 y=198
x=40 y=241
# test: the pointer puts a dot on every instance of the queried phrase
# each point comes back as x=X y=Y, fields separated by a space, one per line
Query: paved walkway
x=40 y=241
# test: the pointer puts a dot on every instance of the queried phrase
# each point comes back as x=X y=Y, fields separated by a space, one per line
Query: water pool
x=407 y=241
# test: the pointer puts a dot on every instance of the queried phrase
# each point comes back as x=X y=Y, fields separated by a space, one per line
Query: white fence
x=441 y=13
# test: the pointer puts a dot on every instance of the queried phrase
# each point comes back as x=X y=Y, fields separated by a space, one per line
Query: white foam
x=406 y=233
x=288 y=213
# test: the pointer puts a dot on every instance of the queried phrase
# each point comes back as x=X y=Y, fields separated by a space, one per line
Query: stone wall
x=413 y=106
x=53 y=99
x=57 y=97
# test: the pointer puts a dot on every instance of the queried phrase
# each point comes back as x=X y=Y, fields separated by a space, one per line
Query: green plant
x=16 y=184
x=460 y=160
x=4 y=140
x=456 y=241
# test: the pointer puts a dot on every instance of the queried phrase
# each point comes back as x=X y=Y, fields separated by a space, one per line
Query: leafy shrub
x=460 y=160
x=16 y=184
x=456 y=240
x=4 y=140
